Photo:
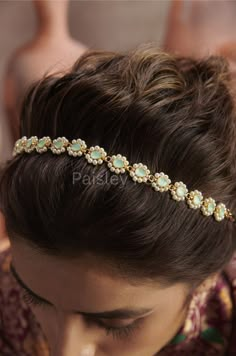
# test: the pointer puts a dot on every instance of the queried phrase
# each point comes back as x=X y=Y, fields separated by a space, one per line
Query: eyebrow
x=124 y=313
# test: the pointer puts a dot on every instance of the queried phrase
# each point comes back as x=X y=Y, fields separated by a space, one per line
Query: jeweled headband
x=119 y=164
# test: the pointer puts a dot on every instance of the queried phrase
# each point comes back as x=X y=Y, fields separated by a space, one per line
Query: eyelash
x=125 y=331
x=121 y=332
x=31 y=300
x=117 y=332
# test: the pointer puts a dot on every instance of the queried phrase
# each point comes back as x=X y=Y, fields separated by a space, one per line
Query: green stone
x=162 y=182
x=197 y=199
x=96 y=154
x=29 y=143
x=41 y=142
x=118 y=163
x=58 y=144
x=211 y=207
x=180 y=191
x=221 y=212
x=76 y=147
x=140 y=172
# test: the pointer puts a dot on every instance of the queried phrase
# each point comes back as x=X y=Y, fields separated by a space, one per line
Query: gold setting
x=220 y=212
x=161 y=182
x=59 y=145
x=179 y=191
x=19 y=146
x=139 y=173
x=119 y=164
x=30 y=144
x=194 y=199
x=43 y=144
x=96 y=155
x=76 y=148
x=208 y=206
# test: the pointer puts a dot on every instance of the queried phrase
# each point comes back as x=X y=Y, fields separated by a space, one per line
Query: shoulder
x=20 y=333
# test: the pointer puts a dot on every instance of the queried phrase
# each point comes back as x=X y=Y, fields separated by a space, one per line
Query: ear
x=4 y=240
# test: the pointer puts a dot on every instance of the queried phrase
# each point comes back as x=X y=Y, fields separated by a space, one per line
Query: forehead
x=85 y=284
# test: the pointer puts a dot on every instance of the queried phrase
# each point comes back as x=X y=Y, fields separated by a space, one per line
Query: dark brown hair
x=173 y=114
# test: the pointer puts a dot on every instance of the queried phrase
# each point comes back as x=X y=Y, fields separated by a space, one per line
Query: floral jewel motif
x=19 y=145
x=161 y=183
x=139 y=172
x=30 y=144
x=59 y=145
x=194 y=199
x=43 y=144
x=220 y=212
x=208 y=206
x=118 y=164
x=96 y=155
x=179 y=191
x=76 y=148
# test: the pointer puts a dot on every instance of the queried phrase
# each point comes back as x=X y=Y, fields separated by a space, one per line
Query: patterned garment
x=209 y=329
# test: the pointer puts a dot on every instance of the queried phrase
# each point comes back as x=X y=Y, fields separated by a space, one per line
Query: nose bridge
x=74 y=338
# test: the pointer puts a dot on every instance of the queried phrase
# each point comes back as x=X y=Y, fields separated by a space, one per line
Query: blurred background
x=111 y=25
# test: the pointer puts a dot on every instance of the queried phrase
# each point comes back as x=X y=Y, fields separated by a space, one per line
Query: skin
x=84 y=285
x=89 y=285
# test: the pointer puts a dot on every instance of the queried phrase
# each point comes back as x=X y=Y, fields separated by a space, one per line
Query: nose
x=76 y=350
x=74 y=338
x=88 y=350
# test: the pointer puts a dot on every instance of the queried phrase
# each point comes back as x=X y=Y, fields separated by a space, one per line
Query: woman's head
x=175 y=115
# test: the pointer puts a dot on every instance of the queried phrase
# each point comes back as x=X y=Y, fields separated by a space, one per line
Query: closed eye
x=30 y=299
x=118 y=332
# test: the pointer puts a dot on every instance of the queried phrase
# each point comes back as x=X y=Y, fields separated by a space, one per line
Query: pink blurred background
x=112 y=25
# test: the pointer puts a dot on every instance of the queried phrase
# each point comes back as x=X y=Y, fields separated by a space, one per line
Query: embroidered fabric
x=209 y=328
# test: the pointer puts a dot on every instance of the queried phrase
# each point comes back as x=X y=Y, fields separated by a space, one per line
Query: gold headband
x=119 y=164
